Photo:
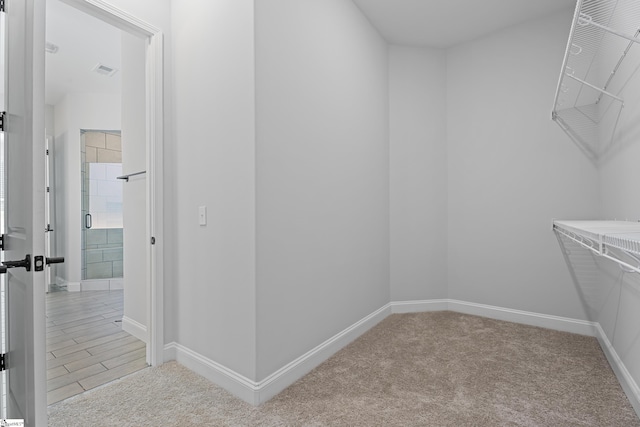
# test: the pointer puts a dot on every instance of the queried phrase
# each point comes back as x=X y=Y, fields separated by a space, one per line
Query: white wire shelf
x=609 y=239
x=600 y=59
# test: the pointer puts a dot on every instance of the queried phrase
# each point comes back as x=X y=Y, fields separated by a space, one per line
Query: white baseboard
x=256 y=393
x=564 y=324
x=298 y=368
x=136 y=329
x=235 y=383
x=170 y=352
x=71 y=286
x=625 y=379
x=420 y=306
x=557 y=323
x=116 y=284
x=94 y=285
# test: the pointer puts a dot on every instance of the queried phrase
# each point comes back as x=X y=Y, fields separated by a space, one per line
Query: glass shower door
x=102 y=229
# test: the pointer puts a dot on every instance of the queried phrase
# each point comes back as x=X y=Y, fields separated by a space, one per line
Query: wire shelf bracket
x=600 y=59
x=608 y=239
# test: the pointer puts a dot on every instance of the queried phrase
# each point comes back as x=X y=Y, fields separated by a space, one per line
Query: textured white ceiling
x=83 y=42
x=444 y=23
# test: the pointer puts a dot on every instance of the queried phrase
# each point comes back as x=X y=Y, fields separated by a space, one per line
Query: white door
x=24 y=210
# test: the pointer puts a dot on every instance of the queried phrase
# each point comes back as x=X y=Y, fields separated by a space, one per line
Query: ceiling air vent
x=104 y=70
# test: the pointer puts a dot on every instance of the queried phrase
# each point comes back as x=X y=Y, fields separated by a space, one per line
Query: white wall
x=511 y=170
x=213 y=68
x=73 y=114
x=134 y=159
x=322 y=175
x=418 y=173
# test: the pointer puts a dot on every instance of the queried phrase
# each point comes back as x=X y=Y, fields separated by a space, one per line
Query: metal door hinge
x=2 y=6
x=1 y=242
x=2 y=362
x=3 y=114
x=153 y=240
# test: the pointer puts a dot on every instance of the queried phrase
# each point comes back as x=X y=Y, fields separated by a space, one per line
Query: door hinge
x=3 y=114
x=1 y=242
x=2 y=6
x=2 y=362
x=48 y=189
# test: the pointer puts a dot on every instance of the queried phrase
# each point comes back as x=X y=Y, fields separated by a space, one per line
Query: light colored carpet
x=427 y=369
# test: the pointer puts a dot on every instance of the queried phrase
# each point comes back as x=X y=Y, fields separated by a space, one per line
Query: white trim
x=235 y=383
x=116 y=284
x=256 y=393
x=155 y=197
x=94 y=285
x=547 y=321
x=625 y=379
x=154 y=77
x=419 y=306
x=564 y=324
x=171 y=352
x=115 y=16
x=71 y=286
x=298 y=368
x=136 y=329
x=74 y=287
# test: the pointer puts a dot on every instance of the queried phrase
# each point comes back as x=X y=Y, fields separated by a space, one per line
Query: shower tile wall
x=103 y=253
x=103 y=243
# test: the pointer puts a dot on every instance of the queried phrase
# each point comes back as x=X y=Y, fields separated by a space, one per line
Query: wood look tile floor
x=86 y=346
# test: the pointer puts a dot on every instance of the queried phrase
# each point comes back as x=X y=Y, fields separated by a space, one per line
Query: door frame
x=154 y=83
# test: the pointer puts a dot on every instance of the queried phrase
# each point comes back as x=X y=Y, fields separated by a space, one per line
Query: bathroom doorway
x=98 y=323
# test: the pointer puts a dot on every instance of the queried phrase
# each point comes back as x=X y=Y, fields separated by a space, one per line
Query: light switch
x=202 y=215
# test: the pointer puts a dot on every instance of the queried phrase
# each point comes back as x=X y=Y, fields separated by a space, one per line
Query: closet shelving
x=618 y=241
x=601 y=57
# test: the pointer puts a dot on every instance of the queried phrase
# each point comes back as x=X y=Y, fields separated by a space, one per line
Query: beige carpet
x=427 y=369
